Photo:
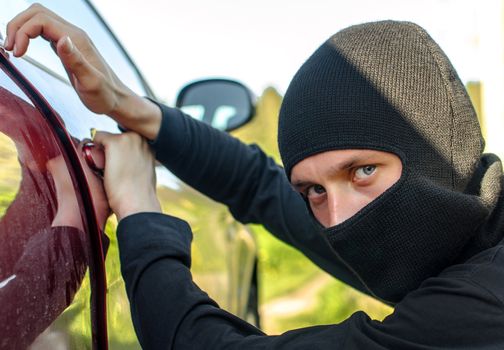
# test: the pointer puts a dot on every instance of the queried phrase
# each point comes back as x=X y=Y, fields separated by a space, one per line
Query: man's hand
x=130 y=179
x=69 y=213
x=95 y=82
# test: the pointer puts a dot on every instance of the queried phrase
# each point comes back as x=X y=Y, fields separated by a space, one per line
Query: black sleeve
x=252 y=185
x=170 y=312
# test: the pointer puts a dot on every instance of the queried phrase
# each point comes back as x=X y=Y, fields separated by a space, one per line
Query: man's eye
x=365 y=171
x=315 y=190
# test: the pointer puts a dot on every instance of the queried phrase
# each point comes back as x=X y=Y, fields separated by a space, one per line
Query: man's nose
x=340 y=207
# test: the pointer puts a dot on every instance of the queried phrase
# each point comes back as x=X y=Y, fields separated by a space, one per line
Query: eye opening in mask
x=337 y=184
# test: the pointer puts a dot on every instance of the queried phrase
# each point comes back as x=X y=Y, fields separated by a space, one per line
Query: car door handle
x=95 y=157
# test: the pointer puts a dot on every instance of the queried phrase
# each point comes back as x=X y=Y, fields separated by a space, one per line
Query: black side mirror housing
x=222 y=103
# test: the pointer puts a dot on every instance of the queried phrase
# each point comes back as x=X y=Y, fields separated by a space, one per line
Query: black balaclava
x=388 y=86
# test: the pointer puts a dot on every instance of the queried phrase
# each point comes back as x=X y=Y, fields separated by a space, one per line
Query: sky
x=263 y=42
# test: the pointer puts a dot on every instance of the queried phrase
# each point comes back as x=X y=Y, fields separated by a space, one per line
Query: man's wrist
x=138 y=114
x=135 y=207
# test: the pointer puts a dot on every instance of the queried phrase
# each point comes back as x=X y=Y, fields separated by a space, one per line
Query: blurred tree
x=474 y=89
x=262 y=130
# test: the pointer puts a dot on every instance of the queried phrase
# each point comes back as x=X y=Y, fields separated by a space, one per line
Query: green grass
x=5 y=201
x=335 y=303
x=284 y=270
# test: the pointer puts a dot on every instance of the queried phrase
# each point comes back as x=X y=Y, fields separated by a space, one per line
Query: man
x=394 y=196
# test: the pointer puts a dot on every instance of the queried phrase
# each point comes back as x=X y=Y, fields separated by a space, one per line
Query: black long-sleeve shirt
x=462 y=308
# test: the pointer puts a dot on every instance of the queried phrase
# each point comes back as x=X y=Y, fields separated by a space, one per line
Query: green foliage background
x=11 y=173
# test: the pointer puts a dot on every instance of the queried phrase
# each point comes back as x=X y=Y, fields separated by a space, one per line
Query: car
x=60 y=279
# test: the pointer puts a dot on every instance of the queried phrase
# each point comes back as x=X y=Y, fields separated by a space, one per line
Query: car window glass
x=44 y=278
x=64 y=101
x=15 y=90
x=79 y=13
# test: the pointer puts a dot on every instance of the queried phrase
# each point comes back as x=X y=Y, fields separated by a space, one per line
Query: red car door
x=52 y=281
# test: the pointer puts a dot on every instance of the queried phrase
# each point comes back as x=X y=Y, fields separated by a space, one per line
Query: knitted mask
x=388 y=86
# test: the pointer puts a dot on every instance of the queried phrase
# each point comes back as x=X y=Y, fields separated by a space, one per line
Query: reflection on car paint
x=44 y=253
x=7 y=280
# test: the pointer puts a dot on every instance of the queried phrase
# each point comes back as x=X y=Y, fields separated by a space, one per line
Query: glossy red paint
x=49 y=235
x=44 y=255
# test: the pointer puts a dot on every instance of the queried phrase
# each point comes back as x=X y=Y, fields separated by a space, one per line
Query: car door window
x=79 y=13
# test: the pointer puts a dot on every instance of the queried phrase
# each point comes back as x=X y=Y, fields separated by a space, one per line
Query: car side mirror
x=224 y=104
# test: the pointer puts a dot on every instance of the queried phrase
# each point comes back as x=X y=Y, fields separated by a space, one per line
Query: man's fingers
x=125 y=142
x=34 y=22
x=17 y=22
x=38 y=21
x=33 y=28
x=104 y=138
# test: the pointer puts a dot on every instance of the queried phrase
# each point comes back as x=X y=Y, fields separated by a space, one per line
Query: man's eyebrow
x=343 y=166
x=299 y=185
x=350 y=163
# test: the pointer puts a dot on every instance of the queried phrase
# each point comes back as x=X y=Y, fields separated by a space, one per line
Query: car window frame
x=148 y=90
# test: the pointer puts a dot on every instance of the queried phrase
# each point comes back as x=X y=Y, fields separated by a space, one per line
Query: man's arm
x=191 y=150
x=243 y=177
x=251 y=184
x=257 y=190
x=93 y=79
x=169 y=311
